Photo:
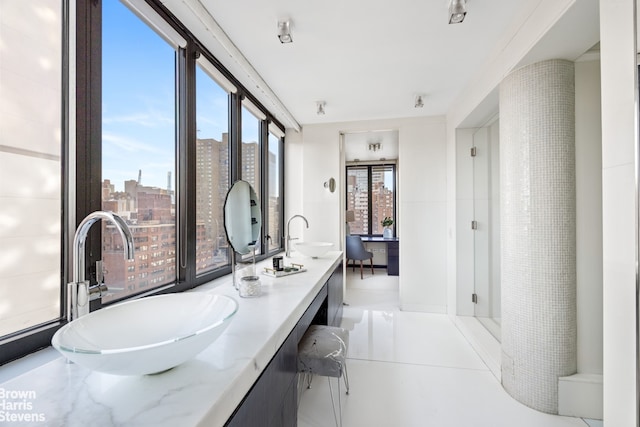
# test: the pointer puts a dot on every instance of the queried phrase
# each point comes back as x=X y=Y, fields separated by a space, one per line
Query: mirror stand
x=234 y=268
x=242 y=223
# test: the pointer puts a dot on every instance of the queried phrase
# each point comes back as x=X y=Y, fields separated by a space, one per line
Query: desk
x=393 y=252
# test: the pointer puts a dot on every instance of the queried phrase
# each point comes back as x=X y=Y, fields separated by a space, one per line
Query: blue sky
x=138 y=101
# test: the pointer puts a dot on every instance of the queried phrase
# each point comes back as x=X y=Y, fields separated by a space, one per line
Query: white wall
x=423 y=238
x=307 y=167
x=421 y=198
x=589 y=216
x=293 y=167
x=619 y=94
x=581 y=394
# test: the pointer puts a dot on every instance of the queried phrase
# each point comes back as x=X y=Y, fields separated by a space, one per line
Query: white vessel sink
x=313 y=249
x=145 y=336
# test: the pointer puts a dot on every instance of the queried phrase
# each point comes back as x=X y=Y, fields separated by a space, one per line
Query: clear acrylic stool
x=323 y=351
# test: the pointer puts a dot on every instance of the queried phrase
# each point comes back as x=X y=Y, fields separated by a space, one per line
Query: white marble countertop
x=203 y=391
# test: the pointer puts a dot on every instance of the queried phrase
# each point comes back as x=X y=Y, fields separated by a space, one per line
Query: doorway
x=371 y=188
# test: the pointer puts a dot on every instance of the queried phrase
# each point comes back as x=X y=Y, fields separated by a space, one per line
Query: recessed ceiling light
x=457 y=11
x=284 y=32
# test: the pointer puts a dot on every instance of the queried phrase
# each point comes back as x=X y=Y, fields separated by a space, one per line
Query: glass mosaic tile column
x=538 y=231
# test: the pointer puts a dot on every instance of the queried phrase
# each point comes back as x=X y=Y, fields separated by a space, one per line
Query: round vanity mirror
x=242 y=217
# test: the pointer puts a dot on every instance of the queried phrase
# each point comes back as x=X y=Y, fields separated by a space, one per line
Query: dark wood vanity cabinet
x=335 y=297
x=331 y=311
x=393 y=258
x=273 y=399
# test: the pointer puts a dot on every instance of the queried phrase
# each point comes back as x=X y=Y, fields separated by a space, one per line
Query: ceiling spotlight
x=321 y=105
x=457 y=11
x=284 y=32
x=419 y=102
x=374 y=146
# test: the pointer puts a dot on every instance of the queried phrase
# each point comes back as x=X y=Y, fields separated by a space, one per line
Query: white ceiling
x=367 y=59
x=357 y=145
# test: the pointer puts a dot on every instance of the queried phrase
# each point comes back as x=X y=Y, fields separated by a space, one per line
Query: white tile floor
x=413 y=369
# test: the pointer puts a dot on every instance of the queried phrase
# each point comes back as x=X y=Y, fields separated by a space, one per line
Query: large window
x=160 y=132
x=371 y=196
x=274 y=230
x=31 y=164
x=212 y=167
x=251 y=151
x=251 y=148
x=138 y=151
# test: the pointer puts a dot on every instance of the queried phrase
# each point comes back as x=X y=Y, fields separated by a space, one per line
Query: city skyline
x=150 y=213
x=140 y=135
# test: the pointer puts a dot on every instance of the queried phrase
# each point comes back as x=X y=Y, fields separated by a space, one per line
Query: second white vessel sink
x=313 y=249
x=146 y=336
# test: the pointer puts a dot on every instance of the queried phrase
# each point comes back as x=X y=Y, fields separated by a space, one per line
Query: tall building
x=251 y=164
x=358 y=202
x=150 y=213
x=381 y=200
x=380 y=196
x=212 y=184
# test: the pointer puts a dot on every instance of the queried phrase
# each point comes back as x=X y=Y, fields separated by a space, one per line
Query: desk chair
x=356 y=251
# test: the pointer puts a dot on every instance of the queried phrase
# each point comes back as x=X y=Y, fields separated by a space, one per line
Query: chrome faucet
x=289 y=239
x=79 y=292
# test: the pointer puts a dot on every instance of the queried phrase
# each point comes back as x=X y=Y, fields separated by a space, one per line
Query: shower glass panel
x=486 y=237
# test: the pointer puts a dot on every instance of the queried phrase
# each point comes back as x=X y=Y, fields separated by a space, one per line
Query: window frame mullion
x=370 y=199
x=264 y=180
x=185 y=164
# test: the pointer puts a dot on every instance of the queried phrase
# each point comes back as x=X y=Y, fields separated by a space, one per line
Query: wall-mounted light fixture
x=419 y=102
x=457 y=11
x=374 y=146
x=284 y=32
x=330 y=185
x=321 y=105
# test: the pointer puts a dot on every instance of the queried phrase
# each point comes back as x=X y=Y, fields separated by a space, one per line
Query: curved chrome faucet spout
x=79 y=292
x=289 y=239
